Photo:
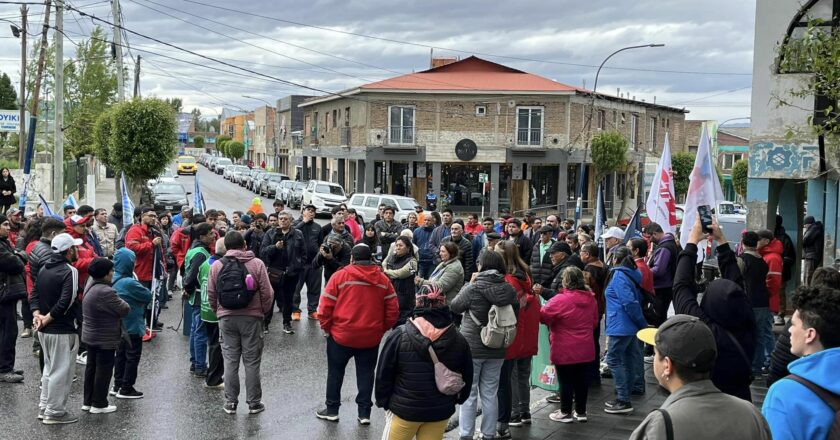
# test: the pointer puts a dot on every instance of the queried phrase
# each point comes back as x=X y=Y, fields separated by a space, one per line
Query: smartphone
x=705 y=214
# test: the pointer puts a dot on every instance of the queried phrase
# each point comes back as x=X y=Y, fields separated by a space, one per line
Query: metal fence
x=75 y=176
x=529 y=136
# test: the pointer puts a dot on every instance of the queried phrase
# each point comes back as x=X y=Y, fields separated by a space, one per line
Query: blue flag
x=45 y=206
x=198 y=198
x=634 y=227
x=71 y=201
x=127 y=206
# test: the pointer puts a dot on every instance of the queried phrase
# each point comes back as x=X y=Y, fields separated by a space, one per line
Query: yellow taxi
x=187 y=165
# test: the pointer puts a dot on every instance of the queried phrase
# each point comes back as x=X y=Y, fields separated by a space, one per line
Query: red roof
x=473 y=74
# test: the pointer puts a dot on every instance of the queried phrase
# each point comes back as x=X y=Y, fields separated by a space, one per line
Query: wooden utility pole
x=58 y=155
x=22 y=131
x=137 y=78
x=115 y=12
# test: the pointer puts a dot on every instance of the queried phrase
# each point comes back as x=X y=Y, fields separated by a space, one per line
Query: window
x=602 y=119
x=372 y=202
x=480 y=110
x=334 y=118
x=543 y=185
x=389 y=202
x=357 y=200
x=730 y=159
x=401 y=125
x=529 y=126
x=634 y=130
x=652 y=134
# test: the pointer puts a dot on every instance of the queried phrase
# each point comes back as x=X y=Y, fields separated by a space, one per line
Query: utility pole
x=137 y=78
x=58 y=154
x=115 y=11
x=22 y=132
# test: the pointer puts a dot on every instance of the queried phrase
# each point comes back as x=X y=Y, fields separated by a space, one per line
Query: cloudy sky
x=332 y=45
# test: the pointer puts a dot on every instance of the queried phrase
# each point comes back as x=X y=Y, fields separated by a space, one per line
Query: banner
x=48 y=212
x=661 y=203
x=198 y=198
x=127 y=206
x=600 y=219
x=634 y=227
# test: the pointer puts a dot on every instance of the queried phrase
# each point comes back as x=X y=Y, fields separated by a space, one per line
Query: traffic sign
x=483 y=178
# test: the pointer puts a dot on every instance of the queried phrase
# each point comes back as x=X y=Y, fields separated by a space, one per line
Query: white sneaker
x=81 y=358
x=85 y=407
x=106 y=410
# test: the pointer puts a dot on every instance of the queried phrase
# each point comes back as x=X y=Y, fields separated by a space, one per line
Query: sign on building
x=10 y=120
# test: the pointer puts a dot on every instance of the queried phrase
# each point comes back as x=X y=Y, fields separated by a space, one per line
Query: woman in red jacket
x=570 y=317
x=515 y=383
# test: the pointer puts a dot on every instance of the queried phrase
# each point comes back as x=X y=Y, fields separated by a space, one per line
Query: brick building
x=439 y=129
x=264 y=139
x=289 y=154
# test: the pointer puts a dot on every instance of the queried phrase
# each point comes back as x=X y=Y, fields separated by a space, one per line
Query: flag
x=127 y=206
x=198 y=198
x=22 y=196
x=703 y=188
x=660 y=203
x=70 y=201
x=45 y=206
x=634 y=226
x=600 y=218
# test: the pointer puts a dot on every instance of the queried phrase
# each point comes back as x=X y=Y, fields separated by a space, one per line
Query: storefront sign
x=10 y=120
x=466 y=149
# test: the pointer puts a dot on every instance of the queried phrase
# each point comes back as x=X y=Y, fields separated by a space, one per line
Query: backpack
x=501 y=327
x=231 y=289
x=829 y=398
x=448 y=382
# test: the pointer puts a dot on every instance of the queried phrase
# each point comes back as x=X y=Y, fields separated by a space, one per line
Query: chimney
x=440 y=62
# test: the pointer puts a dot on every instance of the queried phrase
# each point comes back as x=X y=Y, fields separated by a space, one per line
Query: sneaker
x=503 y=434
x=230 y=407
x=619 y=407
x=287 y=329
x=129 y=393
x=364 y=421
x=41 y=413
x=26 y=333
x=560 y=416
x=515 y=421
x=200 y=373
x=60 y=420
x=158 y=326
x=265 y=330
x=256 y=408
x=85 y=407
x=113 y=391
x=526 y=418
x=81 y=358
x=11 y=377
x=220 y=386
x=313 y=315
x=295 y=316
x=106 y=410
x=648 y=359
x=580 y=417
x=778 y=320
x=554 y=398
x=451 y=425
x=326 y=414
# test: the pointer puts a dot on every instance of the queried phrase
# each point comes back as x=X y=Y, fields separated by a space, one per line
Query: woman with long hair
x=400 y=267
x=371 y=239
x=411 y=221
x=448 y=276
x=7 y=190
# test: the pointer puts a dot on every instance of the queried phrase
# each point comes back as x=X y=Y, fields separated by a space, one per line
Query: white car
x=284 y=191
x=323 y=195
x=229 y=170
x=167 y=176
x=219 y=165
x=367 y=205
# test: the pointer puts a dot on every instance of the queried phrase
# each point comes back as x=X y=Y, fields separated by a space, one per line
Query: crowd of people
x=445 y=319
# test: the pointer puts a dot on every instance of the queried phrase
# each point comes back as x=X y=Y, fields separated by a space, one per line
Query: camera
x=326 y=248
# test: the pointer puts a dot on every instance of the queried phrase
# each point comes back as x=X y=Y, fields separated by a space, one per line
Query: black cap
x=560 y=246
x=100 y=267
x=494 y=236
x=546 y=229
x=361 y=252
x=809 y=220
x=686 y=340
x=312 y=207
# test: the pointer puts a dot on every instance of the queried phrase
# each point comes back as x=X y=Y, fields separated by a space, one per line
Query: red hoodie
x=772 y=254
x=139 y=240
x=358 y=306
x=526 y=342
x=85 y=255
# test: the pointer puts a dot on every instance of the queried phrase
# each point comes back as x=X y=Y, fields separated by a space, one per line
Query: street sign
x=10 y=120
x=483 y=178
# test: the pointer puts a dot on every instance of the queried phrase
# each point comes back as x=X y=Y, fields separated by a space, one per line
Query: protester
x=240 y=324
x=406 y=385
x=388 y=229
x=256 y=206
x=541 y=266
x=283 y=251
x=559 y=254
x=256 y=231
x=182 y=219
x=142 y=240
x=54 y=308
x=337 y=227
x=116 y=216
x=514 y=233
x=425 y=253
x=771 y=250
x=332 y=256
x=612 y=240
x=14 y=289
x=215 y=368
x=7 y=190
x=533 y=232
x=595 y=274
x=199 y=253
x=39 y=252
x=754 y=271
x=357 y=307
x=401 y=267
x=106 y=232
x=465 y=254
x=15 y=216
x=571 y=317
x=138 y=297
x=813 y=241
x=789 y=259
x=486 y=289
x=684 y=356
x=448 y=276
x=371 y=240
x=101 y=331
x=352 y=223
x=638 y=249
x=725 y=308
x=442 y=231
x=411 y=221
x=310 y=276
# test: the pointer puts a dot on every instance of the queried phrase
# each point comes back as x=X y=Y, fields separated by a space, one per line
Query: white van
x=367 y=205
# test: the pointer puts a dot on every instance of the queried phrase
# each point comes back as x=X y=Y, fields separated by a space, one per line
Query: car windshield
x=406 y=204
x=300 y=185
x=275 y=178
x=168 y=189
x=726 y=208
x=186 y=160
x=224 y=162
x=323 y=188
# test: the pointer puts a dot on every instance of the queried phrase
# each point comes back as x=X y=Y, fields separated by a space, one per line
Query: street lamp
x=578 y=208
x=274 y=135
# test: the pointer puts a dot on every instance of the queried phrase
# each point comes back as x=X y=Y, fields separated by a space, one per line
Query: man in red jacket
x=771 y=249
x=140 y=239
x=357 y=307
x=77 y=227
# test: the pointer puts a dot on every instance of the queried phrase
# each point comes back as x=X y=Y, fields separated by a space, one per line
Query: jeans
x=8 y=336
x=198 y=341
x=284 y=293
x=514 y=390
x=765 y=342
x=486 y=374
x=216 y=370
x=59 y=365
x=624 y=357
x=337 y=358
x=127 y=361
x=98 y=372
x=574 y=386
x=242 y=339
x=311 y=277
x=425 y=269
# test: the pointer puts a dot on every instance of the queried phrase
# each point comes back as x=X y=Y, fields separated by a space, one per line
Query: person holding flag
x=703 y=188
x=660 y=204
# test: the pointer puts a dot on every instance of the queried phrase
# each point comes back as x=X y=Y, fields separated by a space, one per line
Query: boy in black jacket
x=755 y=271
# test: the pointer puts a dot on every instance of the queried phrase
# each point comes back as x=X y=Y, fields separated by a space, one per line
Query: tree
x=681 y=164
x=609 y=153
x=740 y=175
x=220 y=140
x=8 y=95
x=102 y=137
x=222 y=148
x=235 y=149
x=198 y=142
x=176 y=103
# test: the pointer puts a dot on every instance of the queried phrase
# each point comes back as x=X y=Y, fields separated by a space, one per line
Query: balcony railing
x=345 y=136
x=401 y=136
x=531 y=137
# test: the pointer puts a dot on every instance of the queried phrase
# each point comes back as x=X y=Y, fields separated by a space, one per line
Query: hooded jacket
x=727 y=311
x=358 y=306
x=55 y=292
x=795 y=412
x=263 y=299
x=179 y=243
x=84 y=256
x=131 y=291
x=139 y=239
x=525 y=343
x=571 y=317
x=103 y=311
x=772 y=254
x=624 y=312
x=405 y=373
x=448 y=276
x=474 y=302
x=813 y=241
x=663 y=263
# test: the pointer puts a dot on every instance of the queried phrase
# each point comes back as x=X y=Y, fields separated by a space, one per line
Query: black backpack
x=231 y=289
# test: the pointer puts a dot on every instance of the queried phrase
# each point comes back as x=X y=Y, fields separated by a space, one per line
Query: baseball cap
x=64 y=241
x=186 y=208
x=613 y=232
x=312 y=207
x=13 y=211
x=560 y=246
x=245 y=219
x=78 y=220
x=686 y=340
x=361 y=252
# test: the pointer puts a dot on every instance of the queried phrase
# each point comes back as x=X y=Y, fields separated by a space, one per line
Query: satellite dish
x=466 y=149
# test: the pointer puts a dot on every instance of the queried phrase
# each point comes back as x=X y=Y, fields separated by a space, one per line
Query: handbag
x=276 y=276
x=448 y=382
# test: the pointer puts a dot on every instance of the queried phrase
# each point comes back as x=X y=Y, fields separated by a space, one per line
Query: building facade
x=264 y=139
x=444 y=129
x=730 y=149
x=289 y=155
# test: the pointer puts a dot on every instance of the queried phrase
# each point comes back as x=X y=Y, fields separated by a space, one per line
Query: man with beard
x=515 y=234
x=388 y=229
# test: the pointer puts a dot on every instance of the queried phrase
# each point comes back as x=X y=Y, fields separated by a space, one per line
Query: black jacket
x=525 y=246
x=405 y=374
x=556 y=283
x=541 y=270
x=726 y=309
x=781 y=357
x=391 y=231
x=11 y=273
x=311 y=238
x=253 y=238
x=116 y=220
x=755 y=279
x=332 y=265
x=55 y=292
x=7 y=185
x=103 y=312
x=291 y=258
x=38 y=256
x=465 y=254
x=489 y=289
x=813 y=242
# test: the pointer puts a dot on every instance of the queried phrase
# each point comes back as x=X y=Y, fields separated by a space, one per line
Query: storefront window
x=460 y=182
x=505 y=173
x=543 y=191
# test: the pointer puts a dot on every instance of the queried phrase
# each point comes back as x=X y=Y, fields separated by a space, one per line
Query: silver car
x=284 y=191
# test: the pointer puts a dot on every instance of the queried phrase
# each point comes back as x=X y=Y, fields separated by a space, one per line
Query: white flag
x=660 y=204
x=703 y=188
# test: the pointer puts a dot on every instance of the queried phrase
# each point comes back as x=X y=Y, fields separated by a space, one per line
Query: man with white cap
x=612 y=239
x=54 y=308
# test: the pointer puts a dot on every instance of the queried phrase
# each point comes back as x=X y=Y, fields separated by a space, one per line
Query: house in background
x=731 y=148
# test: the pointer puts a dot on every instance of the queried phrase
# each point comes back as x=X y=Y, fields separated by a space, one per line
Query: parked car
x=211 y=162
x=229 y=170
x=169 y=197
x=236 y=176
x=256 y=180
x=167 y=176
x=268 y=185
x=284 y=191
x=187 y=165
x=296 y=195
x=219 y=166
x=367 y=205
x=323 y=195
